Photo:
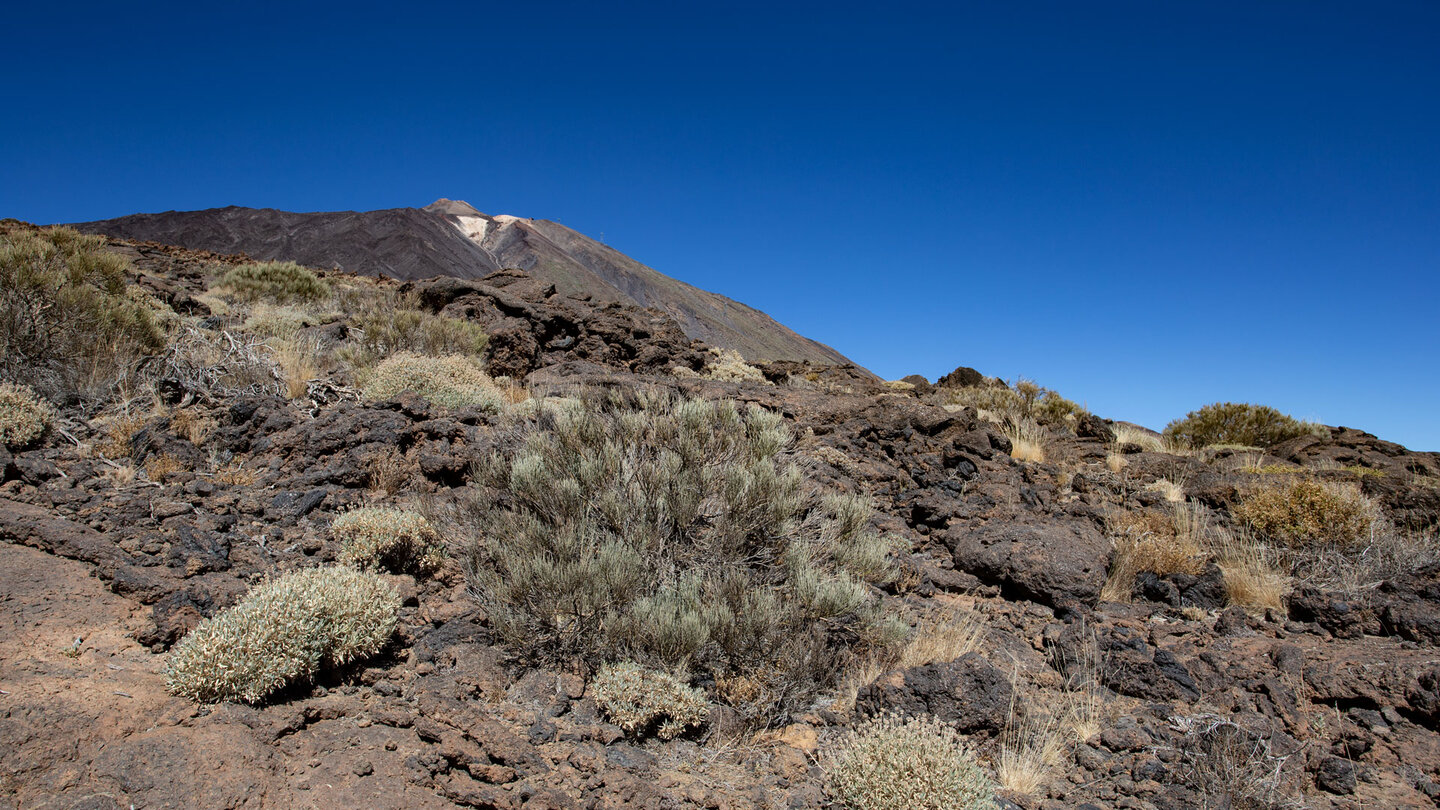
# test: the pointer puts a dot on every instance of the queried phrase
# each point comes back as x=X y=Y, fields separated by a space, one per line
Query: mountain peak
x=454 y=208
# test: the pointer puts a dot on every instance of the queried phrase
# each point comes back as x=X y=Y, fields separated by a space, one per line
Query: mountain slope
x=451 y=238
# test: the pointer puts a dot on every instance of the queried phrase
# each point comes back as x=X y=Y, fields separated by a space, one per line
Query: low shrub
x=729 y=366
x=388 y=538
x=893 y=763
x=1237 y=423
x=668 y=532
x=1306 y=512
x=277 y=282
x=24 y=416
x=283 y=632
x=387 y=328
x=68 y=326
x=643 y=701
x=452 y=381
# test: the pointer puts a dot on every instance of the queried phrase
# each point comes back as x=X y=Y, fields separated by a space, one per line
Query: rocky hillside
x=1101 y=618
x=450 y=238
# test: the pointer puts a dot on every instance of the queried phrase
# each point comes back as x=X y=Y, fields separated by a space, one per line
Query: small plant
x=999 y=402
x=942 y=636
x=1306 y=512
x=1237 y=423
x=283 y=632
x=297 y=358
x=277 y=282
x=642 y=701
x=1030 y=750
x=1224 y=762
x=393 y=539
x=915 y=763
x=1144 y=439
x=728 y=365
x=24 y=416
x=449 y=382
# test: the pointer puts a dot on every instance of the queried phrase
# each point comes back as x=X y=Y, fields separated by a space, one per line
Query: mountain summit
x=453 y=238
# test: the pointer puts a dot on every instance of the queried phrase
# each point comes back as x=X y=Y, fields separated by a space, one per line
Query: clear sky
x=1148 y=206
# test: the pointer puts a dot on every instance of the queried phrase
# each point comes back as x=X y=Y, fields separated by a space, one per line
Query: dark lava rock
x=969 y=692
x=1050 y=563
x=962 y=377
x=1336 y=775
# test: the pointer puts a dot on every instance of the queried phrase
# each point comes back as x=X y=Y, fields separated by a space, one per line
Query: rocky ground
x=106 y=564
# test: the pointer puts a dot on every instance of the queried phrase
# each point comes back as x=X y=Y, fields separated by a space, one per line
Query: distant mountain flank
x=452 y=238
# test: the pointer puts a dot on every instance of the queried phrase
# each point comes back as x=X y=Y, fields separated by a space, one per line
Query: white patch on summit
x=474 y=228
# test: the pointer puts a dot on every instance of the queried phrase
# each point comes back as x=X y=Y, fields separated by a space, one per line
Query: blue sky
x=1146 y=206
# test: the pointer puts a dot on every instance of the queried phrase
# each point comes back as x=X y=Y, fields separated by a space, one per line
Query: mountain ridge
x=453 y=238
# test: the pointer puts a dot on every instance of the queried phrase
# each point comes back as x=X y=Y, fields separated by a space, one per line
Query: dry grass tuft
x=162 y=466
x=1253 y=579
x=299 y=361
x=390 y=472
x=1173 y=492
x=1147 y=541
x=1144 y=439
x=941 y=636
x=191 y=426
x=1031 y=748
x=1115 y=462
x=115 y=443
x=1027 y=439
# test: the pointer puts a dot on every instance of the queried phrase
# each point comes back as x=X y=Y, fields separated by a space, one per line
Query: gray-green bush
x=379 y=537
x=283 y=632
x=670 y=532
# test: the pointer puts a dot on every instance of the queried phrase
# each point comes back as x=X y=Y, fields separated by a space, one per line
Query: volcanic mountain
x=451 y=238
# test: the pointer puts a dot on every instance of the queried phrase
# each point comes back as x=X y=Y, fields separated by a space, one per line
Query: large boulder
x=1052 y=563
